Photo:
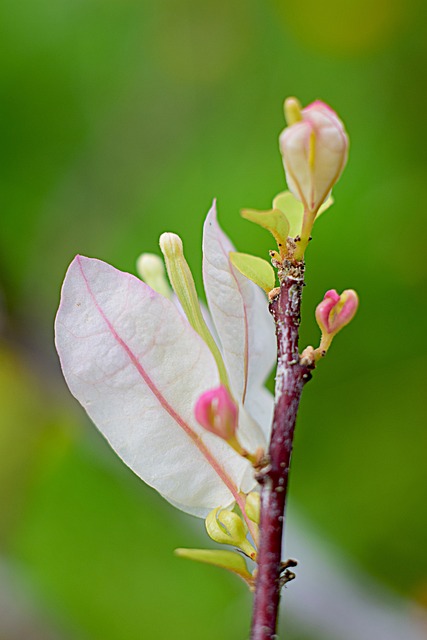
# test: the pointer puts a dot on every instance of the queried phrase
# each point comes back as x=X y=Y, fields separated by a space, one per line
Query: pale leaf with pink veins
x=137 y=367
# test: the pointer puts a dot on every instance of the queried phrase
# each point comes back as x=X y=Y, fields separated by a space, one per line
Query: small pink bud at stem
x=217 y=412
x=333 y=313
x=331 y=298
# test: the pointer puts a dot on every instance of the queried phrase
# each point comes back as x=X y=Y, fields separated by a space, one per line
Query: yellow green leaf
x=274 y=221
x=294 y=210
x=229 y=560
x=256 y=269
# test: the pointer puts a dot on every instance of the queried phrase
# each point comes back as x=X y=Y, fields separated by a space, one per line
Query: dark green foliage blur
x=121 y=119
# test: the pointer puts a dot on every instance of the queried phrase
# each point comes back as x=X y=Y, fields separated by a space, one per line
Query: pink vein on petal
x=162 y=400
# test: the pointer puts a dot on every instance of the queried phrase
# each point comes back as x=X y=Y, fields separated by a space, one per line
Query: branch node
x=286 y=577
x=263 y=475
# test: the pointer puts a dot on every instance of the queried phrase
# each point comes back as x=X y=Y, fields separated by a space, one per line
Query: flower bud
x=151 y=269
x=182 y=282
x=253 y=506
x=333 y=313
x=217 y=412
x=226 y=527
x=314 y=147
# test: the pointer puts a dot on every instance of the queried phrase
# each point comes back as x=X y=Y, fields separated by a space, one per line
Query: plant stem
x=290 y=379
x=307 y=225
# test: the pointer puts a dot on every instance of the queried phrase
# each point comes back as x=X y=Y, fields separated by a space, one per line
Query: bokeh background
x=122 y=119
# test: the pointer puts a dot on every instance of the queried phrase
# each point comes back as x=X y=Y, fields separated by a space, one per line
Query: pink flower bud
x=335 y=311
x=314 y=148
x=217 y=412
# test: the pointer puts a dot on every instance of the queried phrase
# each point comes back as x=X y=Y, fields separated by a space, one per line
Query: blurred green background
x=122 y=119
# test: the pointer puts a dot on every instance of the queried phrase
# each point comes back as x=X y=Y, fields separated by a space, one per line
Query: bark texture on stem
x=290 y=379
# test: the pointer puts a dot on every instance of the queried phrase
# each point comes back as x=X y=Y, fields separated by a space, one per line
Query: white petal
x=137 y=367
x=240 y=313
x=260 y=405
x=295 y=147
x=249 y=433
x=331 y=150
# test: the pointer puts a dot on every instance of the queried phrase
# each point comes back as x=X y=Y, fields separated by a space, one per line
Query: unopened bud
x=182 y=282
x=170 y=244
x=253 y=506
x=314 y=148
x=293 y=111
x=217 y=412
x=151 y=269
x=335 y=312
x=226 y=527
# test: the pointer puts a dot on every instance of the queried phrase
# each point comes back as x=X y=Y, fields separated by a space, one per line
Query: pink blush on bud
x=344 y=311
x=324 y=309
x=216 y=411
x=336 y=311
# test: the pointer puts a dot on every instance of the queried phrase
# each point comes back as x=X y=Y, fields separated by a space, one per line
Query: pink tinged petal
x=311 y=173
x=323 y=310
x=217 y=412
x=336 y=311
x=137 y=367
x=331 y=151
x=321 y=108
x=295 y=148
x=344 y=311
x=240 y=313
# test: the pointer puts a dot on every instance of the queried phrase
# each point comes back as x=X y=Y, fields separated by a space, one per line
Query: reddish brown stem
x=290 y=379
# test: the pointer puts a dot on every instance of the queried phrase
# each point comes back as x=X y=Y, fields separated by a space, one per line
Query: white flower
x=138 y=367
